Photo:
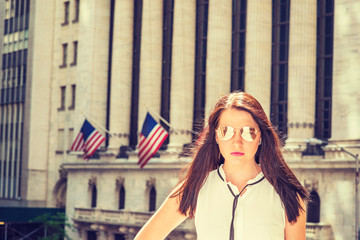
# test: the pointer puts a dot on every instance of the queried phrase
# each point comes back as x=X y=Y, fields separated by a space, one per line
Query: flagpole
x=99 y=125
x=164 y=120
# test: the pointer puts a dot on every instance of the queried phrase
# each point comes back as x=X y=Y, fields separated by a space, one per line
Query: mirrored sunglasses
x=225 y=133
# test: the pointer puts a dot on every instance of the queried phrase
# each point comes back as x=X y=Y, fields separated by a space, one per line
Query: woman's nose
x=237 y=137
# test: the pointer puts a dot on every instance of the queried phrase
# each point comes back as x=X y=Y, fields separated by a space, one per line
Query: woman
x=238 y=185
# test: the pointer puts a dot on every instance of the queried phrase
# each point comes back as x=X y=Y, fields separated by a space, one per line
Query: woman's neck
x=241 y=173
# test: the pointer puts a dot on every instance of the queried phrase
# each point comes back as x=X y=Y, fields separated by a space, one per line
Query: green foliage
x=54 y=225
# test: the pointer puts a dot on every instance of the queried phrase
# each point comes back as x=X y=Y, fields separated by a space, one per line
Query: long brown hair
x=269 y=156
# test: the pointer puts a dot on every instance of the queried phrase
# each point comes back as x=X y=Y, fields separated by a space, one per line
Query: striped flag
x=88 y=140
x=151 y=137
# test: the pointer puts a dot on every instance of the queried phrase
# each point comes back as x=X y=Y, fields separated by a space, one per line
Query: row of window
x=16 y=16
x=76 y=12
x=121 y=198
x=14 y=59
x=12 y=94
x=66 y=21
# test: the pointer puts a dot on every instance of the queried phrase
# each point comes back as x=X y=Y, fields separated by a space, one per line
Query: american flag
x=151 y=137
x=88 y=140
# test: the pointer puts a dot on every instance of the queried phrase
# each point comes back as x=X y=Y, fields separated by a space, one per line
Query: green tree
x=54 y=225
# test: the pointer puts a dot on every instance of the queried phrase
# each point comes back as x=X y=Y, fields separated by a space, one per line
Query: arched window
x=122 y=198
x=91 y=235
x=119 y=237
x=313 y=211
x=152 y=202
x=93 y=196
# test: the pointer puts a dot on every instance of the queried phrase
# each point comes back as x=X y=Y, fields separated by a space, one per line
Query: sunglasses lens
x=225 y=133
x=248 y=133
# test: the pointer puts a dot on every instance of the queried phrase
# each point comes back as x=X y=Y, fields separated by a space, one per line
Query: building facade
x=113 y=61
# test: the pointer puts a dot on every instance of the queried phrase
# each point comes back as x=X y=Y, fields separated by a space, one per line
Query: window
x=324 y=68
x=135 y=74
x=75 y=53
x=66 y=13
x=313 y=209
x=91 y=235
x=93 y=196
x=60 y=144
x=62 y=98
x=279 y=68
x=77 y=11
x=70 y=138
x=238 y=45
x=64 y=55
x=122 y=198
x=168 y=13
x=202 y=7
x=152 y=202
x=119 y=237
x=73 y=92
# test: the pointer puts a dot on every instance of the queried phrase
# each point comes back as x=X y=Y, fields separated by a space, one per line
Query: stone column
x=182 y=73
x=345 y=128
x=150 y=59
x=258 y=51
x=121 y=75
x=302 y=74
x=218 y=63
x=91 y=85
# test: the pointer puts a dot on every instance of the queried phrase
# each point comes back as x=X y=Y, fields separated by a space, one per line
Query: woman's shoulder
x=211 y=179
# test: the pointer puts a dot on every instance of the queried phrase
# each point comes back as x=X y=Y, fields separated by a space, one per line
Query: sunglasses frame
x=234 y=132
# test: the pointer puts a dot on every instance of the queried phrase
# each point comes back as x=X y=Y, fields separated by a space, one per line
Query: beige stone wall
x=38 y=105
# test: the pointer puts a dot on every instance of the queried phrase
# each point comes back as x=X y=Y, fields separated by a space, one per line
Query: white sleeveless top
x=259 y=213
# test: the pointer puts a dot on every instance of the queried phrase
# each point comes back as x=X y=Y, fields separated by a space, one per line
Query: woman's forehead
x=236 y=118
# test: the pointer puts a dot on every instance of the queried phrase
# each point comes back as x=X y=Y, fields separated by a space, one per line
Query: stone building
x=112 y=61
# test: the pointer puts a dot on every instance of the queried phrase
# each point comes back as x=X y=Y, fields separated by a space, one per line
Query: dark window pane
x=283 y=52
x=283 y=33
x=243 y=21
x=329 y=6
x=328 y=45
x=329 y=25
x=152 y=203
x=328 y=67
x=241 y=58
x=242 y=40
x=313 y=209
x=93 y=197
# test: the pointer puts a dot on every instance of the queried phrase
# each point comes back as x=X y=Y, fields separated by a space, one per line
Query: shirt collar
x=250 y=181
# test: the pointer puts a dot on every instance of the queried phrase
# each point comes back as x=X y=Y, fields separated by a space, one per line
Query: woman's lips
x=237 y=154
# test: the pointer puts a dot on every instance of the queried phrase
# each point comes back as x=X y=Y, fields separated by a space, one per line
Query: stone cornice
x=116 y=164
x=322 y=164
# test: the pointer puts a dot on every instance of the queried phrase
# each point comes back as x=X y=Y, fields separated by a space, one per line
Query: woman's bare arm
x=297 y=231
x=165 y=219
